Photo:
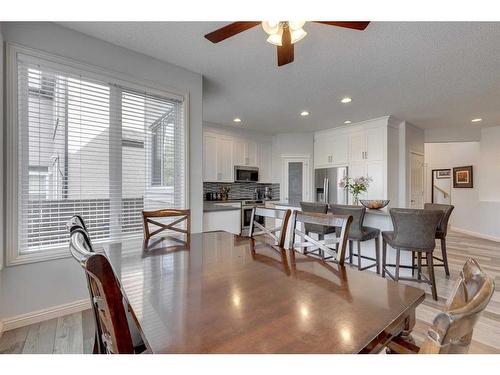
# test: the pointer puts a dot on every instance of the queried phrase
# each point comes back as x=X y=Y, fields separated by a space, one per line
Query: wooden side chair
x=320 y=247
x=151 y=217
x=451 y=331
x=277 y=234
x=81 y=249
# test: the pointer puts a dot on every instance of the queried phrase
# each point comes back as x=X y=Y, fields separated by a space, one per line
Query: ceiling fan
x=283 y=34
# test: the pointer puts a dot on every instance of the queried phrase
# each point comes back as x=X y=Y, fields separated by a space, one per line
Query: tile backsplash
x=240 y=190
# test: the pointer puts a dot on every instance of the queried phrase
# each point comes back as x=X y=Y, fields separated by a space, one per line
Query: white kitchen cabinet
x=217 y=158
x=245 y=152
x=265 y=162
x=210 y=157
x=376 y=190
x=227 y=220
x=357 y=147
x=331 y=151
x=376 y=144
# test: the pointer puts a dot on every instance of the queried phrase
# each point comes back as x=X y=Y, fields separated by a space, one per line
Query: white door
x=239 y=152
x=209 y=157
x=265 y=159
x=322 y=152
x=375 y=144
x=375 y=170
x=340 y=150
x=416 y=180
x=225 y=159
x=251 y=154
x=296 y=176
x=357 y=147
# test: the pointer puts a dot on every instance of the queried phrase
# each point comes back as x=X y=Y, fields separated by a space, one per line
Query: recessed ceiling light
x=347 y=122
x=237 y=119
x=476 y=120
x=304 y=113
x=346 y=100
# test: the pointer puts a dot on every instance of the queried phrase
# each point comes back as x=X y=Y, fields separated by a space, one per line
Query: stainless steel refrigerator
x=327 y=188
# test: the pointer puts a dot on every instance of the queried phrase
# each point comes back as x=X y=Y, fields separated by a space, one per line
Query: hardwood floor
x=74 y=333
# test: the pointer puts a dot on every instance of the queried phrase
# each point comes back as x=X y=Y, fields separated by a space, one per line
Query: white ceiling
x=433 y=75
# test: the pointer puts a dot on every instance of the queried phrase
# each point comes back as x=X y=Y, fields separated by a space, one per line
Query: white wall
x=472 y=214
x=2 y=250
x=489 y=180
x=411 y=139
x=454 y=134
x=58 y=282
x=292 y=144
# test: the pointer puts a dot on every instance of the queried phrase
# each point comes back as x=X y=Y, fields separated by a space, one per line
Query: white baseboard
x=41 y=315
x=476 y=234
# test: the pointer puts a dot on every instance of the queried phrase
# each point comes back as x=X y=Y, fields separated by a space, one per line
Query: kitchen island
x=379 y=219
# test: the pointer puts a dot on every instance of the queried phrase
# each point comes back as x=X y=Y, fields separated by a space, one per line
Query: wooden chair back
x=151 y=217
x=283 y=215
x=108 y=303
x=340 y=222
x=451 y=331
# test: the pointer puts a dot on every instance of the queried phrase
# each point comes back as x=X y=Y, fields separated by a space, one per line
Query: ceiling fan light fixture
x=297 y=35
x=276 y=38
x=296 y=25
x=271 y=27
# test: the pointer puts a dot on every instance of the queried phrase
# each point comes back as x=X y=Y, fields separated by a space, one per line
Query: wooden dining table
x=217 y=292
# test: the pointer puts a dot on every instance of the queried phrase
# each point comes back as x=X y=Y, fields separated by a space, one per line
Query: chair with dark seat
x=334 y=248
x=414 y=230
x=451 y=331
x=321 y=208
x=441 y=232
x=270 y=233
x=359 y=233
x=81 y=249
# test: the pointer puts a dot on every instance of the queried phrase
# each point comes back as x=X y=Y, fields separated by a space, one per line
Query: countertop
x=382 y=212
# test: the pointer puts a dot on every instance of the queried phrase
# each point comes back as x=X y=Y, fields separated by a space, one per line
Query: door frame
x=423 y=177
x=306 y=177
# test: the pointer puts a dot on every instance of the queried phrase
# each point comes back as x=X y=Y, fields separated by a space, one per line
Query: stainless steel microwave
x=246 y=174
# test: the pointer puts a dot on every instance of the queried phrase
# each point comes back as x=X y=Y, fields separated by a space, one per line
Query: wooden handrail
x=441 y=190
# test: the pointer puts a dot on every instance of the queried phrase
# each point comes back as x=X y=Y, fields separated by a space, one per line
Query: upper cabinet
x=364 y=149
x=331 y=151
x=221 y=153
x=217 y=158
x=245 y=152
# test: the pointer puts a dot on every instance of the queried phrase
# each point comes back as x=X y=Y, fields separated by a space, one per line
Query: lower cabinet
x=227 y=220
x=373 y=169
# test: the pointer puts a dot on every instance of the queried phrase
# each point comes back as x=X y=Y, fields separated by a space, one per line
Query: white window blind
x=92 y=148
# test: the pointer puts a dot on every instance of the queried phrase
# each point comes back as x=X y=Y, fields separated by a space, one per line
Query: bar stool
x=320 y=230
x=414 y=230
x=359 y=233
x=441 y=232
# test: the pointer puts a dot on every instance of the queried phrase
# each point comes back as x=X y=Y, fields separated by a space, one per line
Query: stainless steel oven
x=246 y=174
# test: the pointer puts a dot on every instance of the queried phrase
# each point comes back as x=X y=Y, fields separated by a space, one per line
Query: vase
x=355 y=200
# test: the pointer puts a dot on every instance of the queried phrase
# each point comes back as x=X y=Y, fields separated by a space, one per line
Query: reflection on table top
x=223 y=293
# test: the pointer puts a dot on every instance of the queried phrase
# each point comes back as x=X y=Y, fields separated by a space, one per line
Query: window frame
x=12 y=252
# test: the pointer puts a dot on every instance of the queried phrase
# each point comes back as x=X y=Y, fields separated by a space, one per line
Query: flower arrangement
x=355 y=186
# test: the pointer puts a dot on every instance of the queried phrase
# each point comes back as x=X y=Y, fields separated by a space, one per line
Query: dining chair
x=77 y=222
x=81 y=249
x=441 y=232
x=359 y=233
x=272 y=233
x=321 y=208
x=151 y=217
x=414 y=230
x=107 y=302
x=337 y=252
x=451 y=331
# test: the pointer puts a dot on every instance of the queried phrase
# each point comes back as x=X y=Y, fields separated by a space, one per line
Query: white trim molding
x=43 y=315
x=475 y=234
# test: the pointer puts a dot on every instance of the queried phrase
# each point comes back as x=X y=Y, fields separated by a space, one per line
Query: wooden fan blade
x=230 y=30
x=357 y=25
x=285 y=51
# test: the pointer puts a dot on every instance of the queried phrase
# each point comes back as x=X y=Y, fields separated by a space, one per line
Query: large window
x=92 y=146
